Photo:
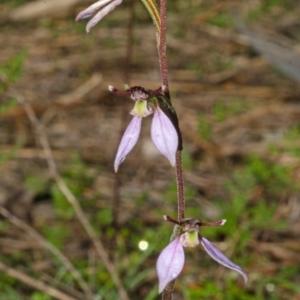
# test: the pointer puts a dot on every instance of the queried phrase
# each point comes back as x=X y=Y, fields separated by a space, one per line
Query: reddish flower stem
x=180 y=186
x=162 y=48
x=162 y=53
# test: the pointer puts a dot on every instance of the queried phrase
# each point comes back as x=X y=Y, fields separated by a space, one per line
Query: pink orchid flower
x=163 y=132
x=171 y=260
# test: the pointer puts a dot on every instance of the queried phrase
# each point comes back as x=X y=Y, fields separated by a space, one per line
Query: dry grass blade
x=37 y=284
x=78 y=94
x=72 y=199
x=64 y=260
x=39 y=9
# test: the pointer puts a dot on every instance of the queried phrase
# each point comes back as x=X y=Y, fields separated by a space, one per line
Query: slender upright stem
x=162 y=47
x=168 y=291
x=162 y=52
x=180 y=186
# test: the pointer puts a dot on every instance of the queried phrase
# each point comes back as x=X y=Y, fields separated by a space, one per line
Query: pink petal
x=128 y=141
x=218 y=256
x=102 y=13
x=164 y=135
x=169 y=263
x=91 y=9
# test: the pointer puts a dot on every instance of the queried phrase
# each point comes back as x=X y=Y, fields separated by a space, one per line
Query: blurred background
x=234 y=79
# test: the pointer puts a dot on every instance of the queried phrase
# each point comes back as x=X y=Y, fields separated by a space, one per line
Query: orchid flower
x=163 y=132
x=102 y=6
x=171 y=260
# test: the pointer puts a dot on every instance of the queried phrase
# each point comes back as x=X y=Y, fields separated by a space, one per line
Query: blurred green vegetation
x=267 y=5
x=14 y=3
x=10 y=72
x=223 y=110
x=223 y=20
x=195 y=67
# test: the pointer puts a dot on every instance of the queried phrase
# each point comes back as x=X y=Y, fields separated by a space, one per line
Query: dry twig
x=64 y=260
x=37 y=284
